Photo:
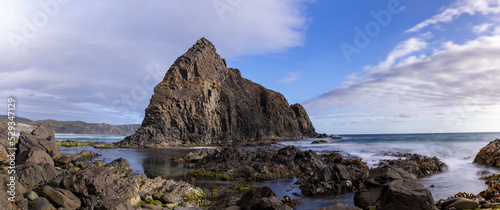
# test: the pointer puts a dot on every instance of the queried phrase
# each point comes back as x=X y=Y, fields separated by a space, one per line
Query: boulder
x=340 y=206
x=119 y=164
x=334 y=179
x=5 y=203
x=489 y=155
x=41 y=204
x=96 y=182
x=319 y=142
x=61 y=197
x=393 y=188
x=202 y=101
x=151 y=207
x=37 y=156
x=41 y=138
x=113 y=204
x=261 y=197
x=31 y=195
x=31 y=175
x=460 y=204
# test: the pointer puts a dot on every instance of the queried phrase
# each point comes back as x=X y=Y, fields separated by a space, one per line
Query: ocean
x=456 y=150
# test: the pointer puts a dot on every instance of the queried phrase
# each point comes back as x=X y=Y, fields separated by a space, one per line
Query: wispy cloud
x=290 y=78
x=459 y=8
x=459 y=80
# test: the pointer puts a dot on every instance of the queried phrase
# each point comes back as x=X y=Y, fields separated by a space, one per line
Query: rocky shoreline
x=48 y=180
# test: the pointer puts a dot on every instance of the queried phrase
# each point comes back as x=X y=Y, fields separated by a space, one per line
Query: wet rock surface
x=390 y=188
x=418 y=165
x=334 y=179
x=489 y=155
x=261 y=198
x=237 y=164
x=202 y=101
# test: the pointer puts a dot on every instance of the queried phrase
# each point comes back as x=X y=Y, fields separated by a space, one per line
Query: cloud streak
x=459 y=79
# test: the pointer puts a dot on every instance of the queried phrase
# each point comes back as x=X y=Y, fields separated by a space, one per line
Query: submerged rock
x=489 y=155
x=340 y=206
x=202 y=101
x=392 y=188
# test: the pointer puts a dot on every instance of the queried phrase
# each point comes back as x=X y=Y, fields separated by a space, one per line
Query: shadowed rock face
x=202 y=101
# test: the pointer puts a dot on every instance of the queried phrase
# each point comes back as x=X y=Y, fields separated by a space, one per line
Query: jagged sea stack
x=202 y=101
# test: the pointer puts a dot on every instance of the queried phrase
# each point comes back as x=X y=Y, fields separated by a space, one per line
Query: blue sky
x=411 y=66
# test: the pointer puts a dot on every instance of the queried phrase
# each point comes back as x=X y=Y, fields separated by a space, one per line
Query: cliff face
x=202 y=101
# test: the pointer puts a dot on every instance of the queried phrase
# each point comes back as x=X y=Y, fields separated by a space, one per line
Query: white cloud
x=290 y=78
x=484 y=7
x=90 y=54
x=482 y=28
x=402 y=50
x=459 y=80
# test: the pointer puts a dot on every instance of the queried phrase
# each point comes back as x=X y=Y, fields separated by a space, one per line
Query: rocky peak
x=202 y=101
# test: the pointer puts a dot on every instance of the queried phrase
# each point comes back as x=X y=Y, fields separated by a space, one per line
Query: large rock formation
x=202 y=101
x=489 y=155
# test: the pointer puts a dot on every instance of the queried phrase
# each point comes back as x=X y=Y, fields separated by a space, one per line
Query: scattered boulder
x=119 y=164
x=393 y=188
x=418 y=165
x=41 y=138
x=31 y=195
x=96 y=182
x=114 y=204
x=41 y=204
x=32 y=175
x=489 y=155
x=319 y=142
x=340 y=206
x=334 y=179
x=335 y=137
x=460 y=204
x=261 y=197
x=61 y=197
x=5 y=203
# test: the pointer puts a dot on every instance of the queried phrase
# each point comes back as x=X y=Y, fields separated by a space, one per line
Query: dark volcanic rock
x=96 y=182
x=490 y=154
x=238 y=164
x=41 y=138
x=333 y=180
x=261 y=198
x=202 y=101
x=416 y=164
x=393 y=188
